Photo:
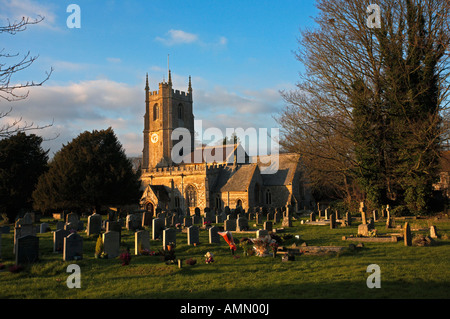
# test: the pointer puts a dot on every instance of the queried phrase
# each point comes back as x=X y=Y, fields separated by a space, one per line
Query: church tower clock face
x=154 y=137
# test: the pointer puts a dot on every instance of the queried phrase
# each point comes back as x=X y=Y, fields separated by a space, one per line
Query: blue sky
x=239 y=54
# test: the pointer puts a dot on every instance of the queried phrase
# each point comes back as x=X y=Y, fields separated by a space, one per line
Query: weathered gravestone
x=111 y=244
x=287 y=222
x=27 y=249
x=312 y=217
x=141 y=241
x=261 y=233
x=73 y=247
x=23 y=229
x=44 y=227
x=169 y=236
x=146 y=219
x=214 y=237
x=433 y=232
x=229 y=225
x=196 y=219
x=193 y=235
x=158 y=225
x=58 y=239
x=59 y=225
x=132 y=222
x=241 y=224
x=259 y=218
x=94 y=226
x=113 y=226
x=268 y=226
x=187 y=221
x=407 y=235
x=332 y=221
x=363 y=210
x=348 y=218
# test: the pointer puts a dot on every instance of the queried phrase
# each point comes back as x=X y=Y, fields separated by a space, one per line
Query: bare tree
x=318 y=121
x=10 y=64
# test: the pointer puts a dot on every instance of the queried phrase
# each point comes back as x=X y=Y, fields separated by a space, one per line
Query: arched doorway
x=150 y=208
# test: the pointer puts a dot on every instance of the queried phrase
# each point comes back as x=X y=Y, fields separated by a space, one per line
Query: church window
x=268 y=197
x=180 y=111
x=191 y=196
x=257 y=192
x=155 y=112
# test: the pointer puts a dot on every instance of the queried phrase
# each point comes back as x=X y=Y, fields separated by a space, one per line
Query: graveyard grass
x=406 y=272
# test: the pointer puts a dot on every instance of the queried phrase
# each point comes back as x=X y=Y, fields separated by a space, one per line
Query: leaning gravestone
x=193 y=235
x=58 y=239
x=169 y=236
x=158 y=225
x=111 y=244
x=27 y=249
x=94 y=226
x=73 y=247
x=287 y=222
x=214 y=237
x=141 y=241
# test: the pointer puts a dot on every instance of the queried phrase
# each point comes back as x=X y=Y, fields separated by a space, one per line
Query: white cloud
x=113 y=60
x=87 y=105
x=174 y=37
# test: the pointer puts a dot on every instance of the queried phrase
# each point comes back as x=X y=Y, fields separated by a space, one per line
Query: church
x=208 y=176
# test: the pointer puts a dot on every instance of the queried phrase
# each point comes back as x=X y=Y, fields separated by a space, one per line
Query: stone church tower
x=165 y=110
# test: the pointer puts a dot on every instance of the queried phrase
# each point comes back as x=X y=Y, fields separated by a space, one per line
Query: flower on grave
x=209 y=257
x=125 y=257
x=274 y=246
x=261 y=244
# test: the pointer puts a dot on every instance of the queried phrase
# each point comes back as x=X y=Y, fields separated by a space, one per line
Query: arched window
x=239 y=203
x=191 y=196
x=257 y=192
x=180 y=111
x=155 y=112
x=218 y=203
x=268 y=197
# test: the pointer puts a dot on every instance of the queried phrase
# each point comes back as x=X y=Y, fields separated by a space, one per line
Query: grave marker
x=111 y=244
x=141 y=241
x=169 y=236
x=192 y=235
x=73 y=247
x=27 y=249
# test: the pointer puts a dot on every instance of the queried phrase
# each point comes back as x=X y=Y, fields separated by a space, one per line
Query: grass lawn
x=406 y=272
